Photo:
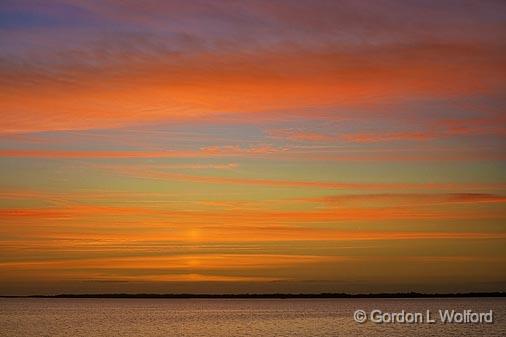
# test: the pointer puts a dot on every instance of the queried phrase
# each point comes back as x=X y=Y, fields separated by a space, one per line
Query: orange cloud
x=203 y=152
x=174 y=220
x=174 y=262
x=103 y=241
x=440 y=130
x=186 y=87
x=389 y=136
x=298 y=135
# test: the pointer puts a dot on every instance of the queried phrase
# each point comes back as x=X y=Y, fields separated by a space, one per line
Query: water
x=218 y=317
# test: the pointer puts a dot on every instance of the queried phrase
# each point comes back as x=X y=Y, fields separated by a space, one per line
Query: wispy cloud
x=150 y=173
x=203 y=152
x=410 y=199
x=210 y=84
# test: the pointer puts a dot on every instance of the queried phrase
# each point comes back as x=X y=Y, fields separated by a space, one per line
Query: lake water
x=233 y=317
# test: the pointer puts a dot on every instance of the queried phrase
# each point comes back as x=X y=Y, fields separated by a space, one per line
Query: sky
x=252 y=146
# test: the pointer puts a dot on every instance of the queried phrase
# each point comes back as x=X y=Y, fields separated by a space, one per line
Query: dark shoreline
x=268 y=296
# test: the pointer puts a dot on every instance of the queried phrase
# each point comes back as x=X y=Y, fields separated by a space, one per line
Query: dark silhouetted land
x=274 y=295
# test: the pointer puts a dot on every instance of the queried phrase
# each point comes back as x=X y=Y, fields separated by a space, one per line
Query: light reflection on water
x=219 y=317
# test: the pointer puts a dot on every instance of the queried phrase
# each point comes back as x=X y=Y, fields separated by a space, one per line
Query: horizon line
x=267 y=295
